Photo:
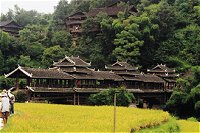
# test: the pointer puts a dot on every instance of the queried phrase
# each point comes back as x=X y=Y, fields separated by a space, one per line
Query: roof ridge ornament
x=106 y=67
x=71 y=61
x=74 y=68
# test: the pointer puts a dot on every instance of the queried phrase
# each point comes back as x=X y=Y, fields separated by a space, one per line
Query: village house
x=10 y=27
x=72 y=81
x=167 y=74
x=74 y=21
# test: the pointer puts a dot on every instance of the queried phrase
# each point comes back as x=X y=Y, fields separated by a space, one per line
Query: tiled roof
x=121 y=66
x=111 y=10
x=83 y=76
x=132 y=78
x=170 y=80
x=106 y=75
x=121 y=73
x=151 y=78
x=166 y=75
x=39 y=73
x=71 y=61
x=5 y=23
x=160 y=68
x=99 y=75
x=77 y=15
x=68 y=22
x=76 y=69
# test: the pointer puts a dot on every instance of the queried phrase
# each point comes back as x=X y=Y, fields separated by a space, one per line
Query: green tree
x=123 y=97
x=25 y=61
x=52 y=54
x=62 y=10
x=62 y=38
x=5 y=40
x=184 y=101
x=35 y=51
x=33 y=33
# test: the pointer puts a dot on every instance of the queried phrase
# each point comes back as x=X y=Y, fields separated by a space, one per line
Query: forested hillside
x=163 y=31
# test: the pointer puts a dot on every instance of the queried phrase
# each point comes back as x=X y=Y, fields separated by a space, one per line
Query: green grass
x=170 y=126
x=32 y=117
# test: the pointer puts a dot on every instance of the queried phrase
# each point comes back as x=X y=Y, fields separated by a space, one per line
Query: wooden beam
x=74 y=98
x=17 y=83
x=78 y=98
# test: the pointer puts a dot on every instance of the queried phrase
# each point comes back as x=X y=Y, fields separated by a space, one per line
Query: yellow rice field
x=35 y=117
x=189 y=126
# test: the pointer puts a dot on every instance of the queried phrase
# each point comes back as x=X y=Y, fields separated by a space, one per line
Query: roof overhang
x=18 y=69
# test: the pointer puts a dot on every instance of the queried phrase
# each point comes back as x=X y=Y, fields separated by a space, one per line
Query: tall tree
x=52 y=54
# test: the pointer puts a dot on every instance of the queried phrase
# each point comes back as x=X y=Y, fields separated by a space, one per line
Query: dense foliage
x=20 y=96
x=185 y=100
x=106 y=97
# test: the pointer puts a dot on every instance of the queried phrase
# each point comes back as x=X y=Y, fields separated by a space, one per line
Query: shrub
x=123 y=97
x=192 y=119
x=20 y=96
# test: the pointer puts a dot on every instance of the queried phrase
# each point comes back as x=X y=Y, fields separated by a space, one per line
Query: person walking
x=5 y=105
x=12 y=100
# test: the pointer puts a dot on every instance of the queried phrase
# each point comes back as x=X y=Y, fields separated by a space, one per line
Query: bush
x=123 y=97
x=20 y=96
x=192 y=119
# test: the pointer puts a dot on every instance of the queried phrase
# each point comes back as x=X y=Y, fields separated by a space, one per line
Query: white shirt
x=5 y=105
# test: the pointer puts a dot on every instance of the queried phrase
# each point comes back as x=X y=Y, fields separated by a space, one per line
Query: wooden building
x=144 y=86
x=86 y=80
x=167 y=74
x=43 y=84
x=10 y=27
x=74 y=21
x=71 y=80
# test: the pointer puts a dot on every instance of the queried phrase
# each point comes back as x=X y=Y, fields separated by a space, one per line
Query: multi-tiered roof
x=163 y=71
x=79 y=69
x=131 y=73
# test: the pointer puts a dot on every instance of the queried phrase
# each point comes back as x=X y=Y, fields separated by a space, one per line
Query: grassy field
x=32 y=117
x=171 y=126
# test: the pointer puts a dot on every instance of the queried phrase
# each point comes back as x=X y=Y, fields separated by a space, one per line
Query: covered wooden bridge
x=72 y=81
